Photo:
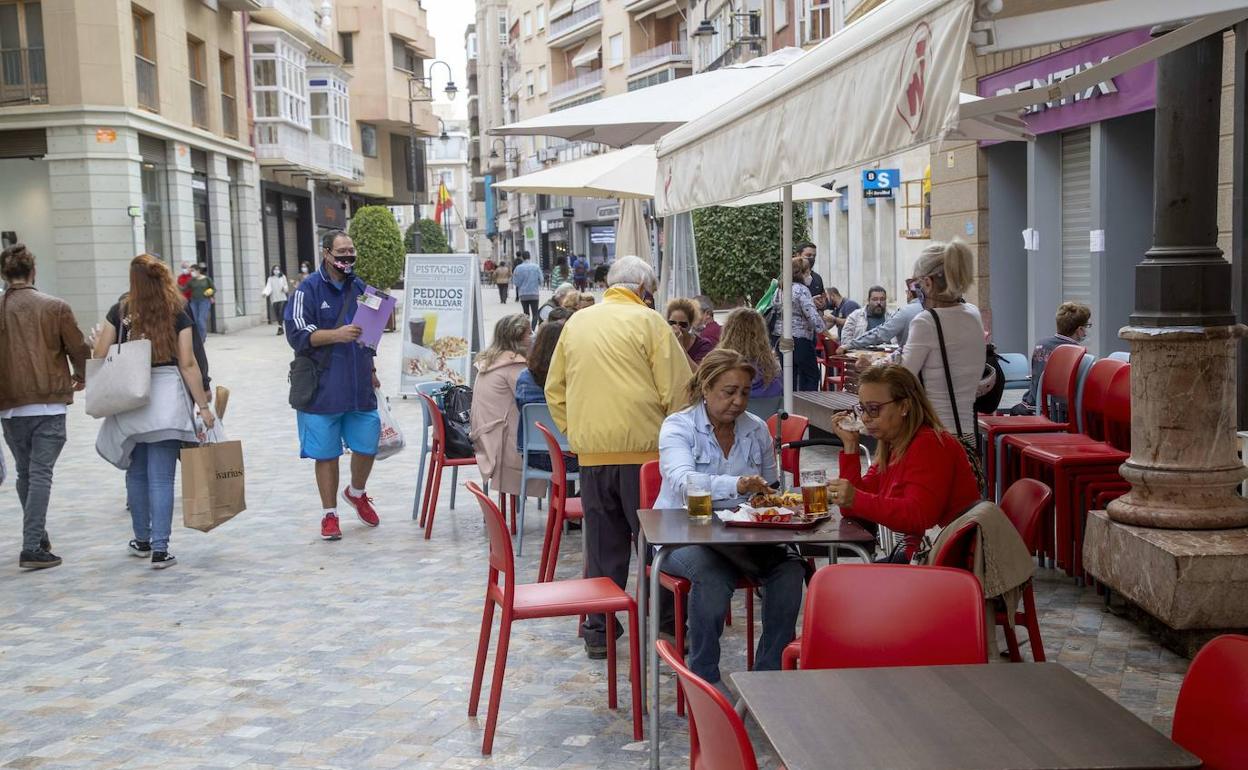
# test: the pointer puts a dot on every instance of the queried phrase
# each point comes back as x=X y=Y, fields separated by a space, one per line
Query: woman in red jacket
x=921 y=477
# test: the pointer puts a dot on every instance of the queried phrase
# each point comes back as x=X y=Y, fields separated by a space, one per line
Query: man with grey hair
x=561 y=291
x=706 y=327
x=617 y=373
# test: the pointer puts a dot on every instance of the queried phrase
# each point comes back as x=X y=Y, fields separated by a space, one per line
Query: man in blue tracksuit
x=344 y=409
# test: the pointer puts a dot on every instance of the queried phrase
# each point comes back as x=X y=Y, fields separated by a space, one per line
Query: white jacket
x=277 y=288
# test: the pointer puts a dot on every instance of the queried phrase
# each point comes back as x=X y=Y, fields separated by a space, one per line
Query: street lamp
x=707 y=29
x=510 y=154
x=420 y=89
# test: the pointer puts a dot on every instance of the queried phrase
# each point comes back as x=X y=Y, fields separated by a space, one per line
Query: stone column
x=1184 y=468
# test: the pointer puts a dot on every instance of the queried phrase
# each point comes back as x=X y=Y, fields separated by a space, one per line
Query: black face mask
x=345 y=264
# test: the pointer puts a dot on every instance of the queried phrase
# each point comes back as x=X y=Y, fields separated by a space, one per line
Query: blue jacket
x=527 y=278
x=346 y=383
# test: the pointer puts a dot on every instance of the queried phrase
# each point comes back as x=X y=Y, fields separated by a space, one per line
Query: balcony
x=145 y=82
x=23 y=76
x=329 y=157
x=574 y=26
x=413 y=30
x=229 y=116
x=298 y=17
x=240 y=5
x=278 y=143
x=199 y=104
x=581 y=84
x=357 y=167
x=671 y=52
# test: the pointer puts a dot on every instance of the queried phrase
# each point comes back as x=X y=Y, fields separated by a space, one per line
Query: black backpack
x=456 y=410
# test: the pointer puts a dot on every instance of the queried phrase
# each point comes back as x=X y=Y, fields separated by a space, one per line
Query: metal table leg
x=643 y=607
x=652 y=654
x=862 y=552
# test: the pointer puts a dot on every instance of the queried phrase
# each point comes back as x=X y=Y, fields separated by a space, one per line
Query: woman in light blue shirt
x=716 y=436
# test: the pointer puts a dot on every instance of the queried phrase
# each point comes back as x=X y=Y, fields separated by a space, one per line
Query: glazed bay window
x=331 y=124
x=280 y=88
x=145 y=59
x=197 y=69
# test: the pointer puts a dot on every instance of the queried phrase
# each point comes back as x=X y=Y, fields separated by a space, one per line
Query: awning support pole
x=786 y=292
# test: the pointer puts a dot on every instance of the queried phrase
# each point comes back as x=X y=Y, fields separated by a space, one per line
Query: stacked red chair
x=1094 y=402
x=1058 y=382
x=651 y=481
x=1211 y=715
x=439 y=462
x=902 y=615
x=1024 y=504
x=1071 y=469
x=541 y=600
x=562 y=508
x=717 y=736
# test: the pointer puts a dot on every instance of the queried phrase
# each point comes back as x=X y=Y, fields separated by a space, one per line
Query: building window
x=541 y=79
x=347 y=42
x=541 y=17
x=368 y=140
x=528 y=83
x=25 y=76
x=528 y=24
x=405 y=59
x=145 y=59
x=229 y=108
x=780 y=12
x=197 y=71
x=329 y=101
x=280 y=84
x=615 y=50
x=502 y=27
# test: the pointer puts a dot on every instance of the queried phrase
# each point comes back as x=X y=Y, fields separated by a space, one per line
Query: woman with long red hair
x=145 y=442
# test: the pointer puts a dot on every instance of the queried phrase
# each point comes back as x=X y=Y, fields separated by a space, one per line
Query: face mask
x=919 y=294
x=304 y=269
x=344 y=263
x=276 y=272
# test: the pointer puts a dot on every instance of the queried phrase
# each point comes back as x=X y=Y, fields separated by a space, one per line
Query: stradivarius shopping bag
x=213 y=482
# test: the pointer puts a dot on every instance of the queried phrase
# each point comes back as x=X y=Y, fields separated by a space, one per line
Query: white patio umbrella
x=642 y=116
x=631 y=234
x=627 y=173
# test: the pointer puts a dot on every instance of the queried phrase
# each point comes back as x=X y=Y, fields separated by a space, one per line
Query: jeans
x=201 y=310
x=502 y=293
x=529 y=307
x=35 y=442
x=805 y=364
x=149 y=488
x=713 y=580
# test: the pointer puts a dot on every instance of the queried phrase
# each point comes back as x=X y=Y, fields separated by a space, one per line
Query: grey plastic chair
x=1017 y=370
x=532 y=440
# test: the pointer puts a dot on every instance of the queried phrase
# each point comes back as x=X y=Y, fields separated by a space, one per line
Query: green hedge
x=432 y=238
x=739 y=249
x=378 y=246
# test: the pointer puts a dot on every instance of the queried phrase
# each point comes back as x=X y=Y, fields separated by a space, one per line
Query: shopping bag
x=121 y=380
x=391 y=442
x=213 y=482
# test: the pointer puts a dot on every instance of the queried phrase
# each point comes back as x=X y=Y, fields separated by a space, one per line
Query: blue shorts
x=321 y=436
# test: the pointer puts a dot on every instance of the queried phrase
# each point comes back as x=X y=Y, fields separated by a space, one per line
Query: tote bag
x=121 y=380
x=214 y=482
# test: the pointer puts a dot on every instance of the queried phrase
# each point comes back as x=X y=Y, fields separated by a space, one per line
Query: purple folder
x=375 y=307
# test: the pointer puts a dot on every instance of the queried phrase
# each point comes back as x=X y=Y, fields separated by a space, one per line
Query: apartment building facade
x=129 y=135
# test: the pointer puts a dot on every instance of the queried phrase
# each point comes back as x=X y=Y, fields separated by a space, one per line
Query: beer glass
x=815 y=492
x=698 y=496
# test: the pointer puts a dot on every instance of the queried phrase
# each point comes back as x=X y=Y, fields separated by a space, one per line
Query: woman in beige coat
x=495 y=419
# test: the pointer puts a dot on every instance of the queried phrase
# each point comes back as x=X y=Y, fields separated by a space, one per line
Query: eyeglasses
x=681 y=324
x=872 y=408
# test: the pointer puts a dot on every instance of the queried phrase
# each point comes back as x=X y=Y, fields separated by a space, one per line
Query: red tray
x=795 y=525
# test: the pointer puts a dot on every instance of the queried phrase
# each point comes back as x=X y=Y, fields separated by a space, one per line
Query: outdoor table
x=670 y=528
x=1009 y=716
x=818 y=406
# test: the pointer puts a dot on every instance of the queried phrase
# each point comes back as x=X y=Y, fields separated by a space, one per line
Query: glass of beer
x=815 y=492
x=698 y=496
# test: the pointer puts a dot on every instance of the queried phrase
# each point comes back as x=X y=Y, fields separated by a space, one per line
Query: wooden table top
x=670 y=527
x=1010 y=716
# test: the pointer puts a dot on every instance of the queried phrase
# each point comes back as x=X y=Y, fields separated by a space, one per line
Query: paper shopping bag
x=213 y=484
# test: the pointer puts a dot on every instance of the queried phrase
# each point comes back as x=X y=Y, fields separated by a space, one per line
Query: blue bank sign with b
x=879 y=182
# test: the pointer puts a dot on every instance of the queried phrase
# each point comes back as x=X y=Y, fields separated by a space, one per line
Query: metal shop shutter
x=1076 y=215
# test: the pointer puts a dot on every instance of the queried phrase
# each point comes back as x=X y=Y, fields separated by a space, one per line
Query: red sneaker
x=329 y=528
x=363 y=506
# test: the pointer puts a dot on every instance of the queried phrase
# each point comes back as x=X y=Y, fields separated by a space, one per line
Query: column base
x=1190 y=580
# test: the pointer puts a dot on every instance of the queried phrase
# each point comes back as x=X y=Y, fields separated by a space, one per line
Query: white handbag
x=121 y=380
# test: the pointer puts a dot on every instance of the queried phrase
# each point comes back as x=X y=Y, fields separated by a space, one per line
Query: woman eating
x=716 y=436
x=682 y=316
x=921 y=477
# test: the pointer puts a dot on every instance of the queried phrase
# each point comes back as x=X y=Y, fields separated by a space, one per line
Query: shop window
x=916 y=210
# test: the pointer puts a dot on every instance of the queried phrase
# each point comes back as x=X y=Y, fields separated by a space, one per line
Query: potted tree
x=379 y=248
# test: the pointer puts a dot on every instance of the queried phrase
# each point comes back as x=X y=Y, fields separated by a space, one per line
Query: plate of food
x=777 y=517
x=792 y=500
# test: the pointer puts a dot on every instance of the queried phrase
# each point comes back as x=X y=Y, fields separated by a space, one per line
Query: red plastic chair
x=1024 y=504
x=794 y=429
x=439 y=461
x=717 y=736
x=562 y=508
x=651 y=482
x=873 y=615
x=833 y=373
x=1059 y=381
x=1211 y=715
x=541 y=600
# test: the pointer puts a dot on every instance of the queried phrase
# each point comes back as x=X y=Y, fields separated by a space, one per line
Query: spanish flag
x=444 y=202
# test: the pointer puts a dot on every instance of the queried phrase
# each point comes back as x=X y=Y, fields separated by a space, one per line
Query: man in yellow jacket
x=617 y=373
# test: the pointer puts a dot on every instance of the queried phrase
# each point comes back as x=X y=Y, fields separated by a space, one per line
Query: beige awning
x=560 y=9
x=588 y=53
x=661 y=10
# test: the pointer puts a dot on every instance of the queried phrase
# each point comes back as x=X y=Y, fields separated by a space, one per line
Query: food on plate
x=450 y=347
x=772 y=514
x=774 y=500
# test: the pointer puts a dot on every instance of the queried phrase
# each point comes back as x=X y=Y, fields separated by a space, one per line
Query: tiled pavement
x=266 y=647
